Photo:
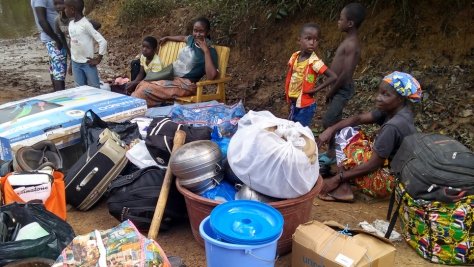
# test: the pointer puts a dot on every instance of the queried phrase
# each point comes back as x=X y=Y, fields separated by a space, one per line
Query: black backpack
x=134 y=197
x=434 y=167
x=160 y=134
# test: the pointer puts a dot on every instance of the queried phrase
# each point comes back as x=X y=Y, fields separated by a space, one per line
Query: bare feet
x=343 y=192
x=330 y=184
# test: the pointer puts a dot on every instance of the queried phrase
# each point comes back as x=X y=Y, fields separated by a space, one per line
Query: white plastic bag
x=140 y=156
x=343 y=138
x=266 y=154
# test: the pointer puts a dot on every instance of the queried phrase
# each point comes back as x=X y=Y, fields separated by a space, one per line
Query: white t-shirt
x=82 y=35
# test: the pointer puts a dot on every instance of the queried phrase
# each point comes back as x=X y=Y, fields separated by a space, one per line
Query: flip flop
x=344 y=200
x=330 y=198
x=326 y=197
x=325 y=160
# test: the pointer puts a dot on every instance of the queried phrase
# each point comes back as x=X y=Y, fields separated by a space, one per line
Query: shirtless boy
x=344 y=63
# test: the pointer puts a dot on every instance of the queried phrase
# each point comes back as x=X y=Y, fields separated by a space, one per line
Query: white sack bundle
x=267 y=154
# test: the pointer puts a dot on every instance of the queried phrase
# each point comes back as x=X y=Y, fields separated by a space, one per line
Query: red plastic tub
x=295 y=211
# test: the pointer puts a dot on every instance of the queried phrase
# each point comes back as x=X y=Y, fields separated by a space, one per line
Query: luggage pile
x=227 y=155
x=38 y=180
x=435 y=196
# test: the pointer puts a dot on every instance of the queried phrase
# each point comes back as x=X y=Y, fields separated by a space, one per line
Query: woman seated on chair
x=194 y=61
x=396 y=121
x=149 y=62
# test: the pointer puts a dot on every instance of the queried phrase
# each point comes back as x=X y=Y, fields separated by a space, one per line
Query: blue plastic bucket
x=220 y=253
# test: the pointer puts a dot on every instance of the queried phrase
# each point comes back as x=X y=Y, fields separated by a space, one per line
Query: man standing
x=45 y=15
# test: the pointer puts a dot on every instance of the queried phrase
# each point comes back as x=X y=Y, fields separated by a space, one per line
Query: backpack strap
x=129 y=178
x=394 y=216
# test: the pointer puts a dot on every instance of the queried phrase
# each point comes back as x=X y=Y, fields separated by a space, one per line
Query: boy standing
x=83 y=34
x=304 y=67
x=45 y=14
x=62 y=28
x=344 y=63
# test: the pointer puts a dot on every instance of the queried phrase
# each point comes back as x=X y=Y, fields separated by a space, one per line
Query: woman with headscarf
x=395 y=91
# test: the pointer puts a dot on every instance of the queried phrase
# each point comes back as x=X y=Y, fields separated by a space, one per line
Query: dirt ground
x=446 y=75
x=179 y=240
x=25 y=75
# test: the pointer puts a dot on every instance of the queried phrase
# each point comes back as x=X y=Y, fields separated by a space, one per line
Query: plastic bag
x=220 y=115
x=223 y=192
x=92 y=125
x=268 y=154
x=140 y=156
x=343 y=138
x=50 y=246
x=122 y=245
x=222 y=142
x=56 y=201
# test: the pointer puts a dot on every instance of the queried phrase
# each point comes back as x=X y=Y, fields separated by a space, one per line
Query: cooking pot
x=197 y=165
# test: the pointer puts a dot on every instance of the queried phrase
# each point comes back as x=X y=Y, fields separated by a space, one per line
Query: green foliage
x=229 y=17
x=137 y=10
x=283 y=8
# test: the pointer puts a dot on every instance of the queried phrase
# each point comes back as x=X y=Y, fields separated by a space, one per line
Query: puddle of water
x=16 y=19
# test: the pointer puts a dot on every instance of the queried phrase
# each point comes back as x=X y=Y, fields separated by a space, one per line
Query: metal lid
x=196 y=159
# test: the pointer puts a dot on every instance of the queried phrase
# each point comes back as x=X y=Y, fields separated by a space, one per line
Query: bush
x=136 y=10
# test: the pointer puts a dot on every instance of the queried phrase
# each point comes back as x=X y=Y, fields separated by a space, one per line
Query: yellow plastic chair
x=168 y=54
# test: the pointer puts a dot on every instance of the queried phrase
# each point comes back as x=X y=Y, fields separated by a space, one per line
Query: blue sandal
x=325 y=160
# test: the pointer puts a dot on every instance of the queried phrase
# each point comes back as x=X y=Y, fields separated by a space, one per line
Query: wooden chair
x=168 y=54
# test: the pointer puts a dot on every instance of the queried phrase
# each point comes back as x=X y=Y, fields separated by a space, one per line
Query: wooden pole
x=178 y=141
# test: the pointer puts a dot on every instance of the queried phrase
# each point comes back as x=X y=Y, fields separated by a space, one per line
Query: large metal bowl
x=197 y=165
x=247 y=193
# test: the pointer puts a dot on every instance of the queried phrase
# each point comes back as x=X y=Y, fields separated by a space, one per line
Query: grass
x=134 y=11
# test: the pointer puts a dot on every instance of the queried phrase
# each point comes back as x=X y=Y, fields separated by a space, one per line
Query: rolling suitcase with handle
x=89 y=177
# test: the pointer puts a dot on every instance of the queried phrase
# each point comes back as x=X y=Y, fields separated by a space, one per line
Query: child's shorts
x=302 y=115
x=338 y=102
x=57 y=61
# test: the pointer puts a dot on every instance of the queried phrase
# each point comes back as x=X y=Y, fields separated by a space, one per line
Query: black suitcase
x=134 y=197
x=89 y=177
x=434 y=167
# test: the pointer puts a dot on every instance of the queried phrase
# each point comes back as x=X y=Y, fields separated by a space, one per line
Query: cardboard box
x=57 y=116
x=317 y=244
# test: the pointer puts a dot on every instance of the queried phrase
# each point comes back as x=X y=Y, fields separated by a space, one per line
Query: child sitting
x=83 y=34
x=149 y=62
x=196 y=59
x=303 y=70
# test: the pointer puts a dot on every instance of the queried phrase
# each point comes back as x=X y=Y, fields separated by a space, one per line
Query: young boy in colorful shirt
x=304 y=67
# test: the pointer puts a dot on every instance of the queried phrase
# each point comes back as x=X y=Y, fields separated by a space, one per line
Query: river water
x=16 y=19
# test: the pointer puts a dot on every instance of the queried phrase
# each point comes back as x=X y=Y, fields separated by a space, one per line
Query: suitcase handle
x=87 y=178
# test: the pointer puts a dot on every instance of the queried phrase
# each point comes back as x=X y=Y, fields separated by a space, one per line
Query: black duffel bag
x=15 y=216
x=134 y=197
x=92 y=126
x=434 y=167
x=160 y=134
